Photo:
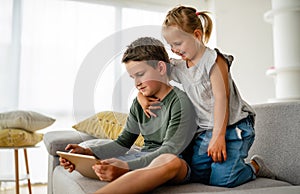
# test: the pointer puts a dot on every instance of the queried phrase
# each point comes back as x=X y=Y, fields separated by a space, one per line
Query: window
x=56 y=38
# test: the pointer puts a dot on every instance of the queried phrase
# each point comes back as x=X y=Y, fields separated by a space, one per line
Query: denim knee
x=227 y=175
x=234 y=171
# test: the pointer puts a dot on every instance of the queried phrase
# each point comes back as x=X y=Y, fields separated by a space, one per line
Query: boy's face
x=148 y=80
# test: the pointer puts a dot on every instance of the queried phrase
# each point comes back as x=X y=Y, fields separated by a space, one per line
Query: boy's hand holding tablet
x=80 y=158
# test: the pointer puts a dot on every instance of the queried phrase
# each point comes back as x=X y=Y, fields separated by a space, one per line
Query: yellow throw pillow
x=91 y=126
x=112 y=124
x=18 y=138
x=104 y=125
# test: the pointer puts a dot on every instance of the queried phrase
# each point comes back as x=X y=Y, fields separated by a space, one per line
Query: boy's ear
x=162 y=67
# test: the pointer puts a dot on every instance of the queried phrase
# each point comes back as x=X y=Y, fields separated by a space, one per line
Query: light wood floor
x=35 y=188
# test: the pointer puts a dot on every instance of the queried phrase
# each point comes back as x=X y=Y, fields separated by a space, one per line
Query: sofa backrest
x=277 y=139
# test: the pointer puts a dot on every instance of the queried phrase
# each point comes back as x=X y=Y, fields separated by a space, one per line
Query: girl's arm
x=147 y=103
x=151 y=103
x=220 y=88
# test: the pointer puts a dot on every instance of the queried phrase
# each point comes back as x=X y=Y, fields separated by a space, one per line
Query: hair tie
x=198 y=13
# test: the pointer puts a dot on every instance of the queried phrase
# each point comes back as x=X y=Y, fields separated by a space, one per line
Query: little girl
x=225 y=120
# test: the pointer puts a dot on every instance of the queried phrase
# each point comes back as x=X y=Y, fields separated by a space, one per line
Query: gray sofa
x=277 y=141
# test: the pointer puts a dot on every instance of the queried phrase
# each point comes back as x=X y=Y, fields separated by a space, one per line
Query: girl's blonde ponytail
x=188 y=20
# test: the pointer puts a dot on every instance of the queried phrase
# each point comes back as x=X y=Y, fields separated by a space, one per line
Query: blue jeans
x=232 y=172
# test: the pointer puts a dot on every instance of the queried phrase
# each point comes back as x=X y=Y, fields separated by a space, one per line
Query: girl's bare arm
x=220 y=87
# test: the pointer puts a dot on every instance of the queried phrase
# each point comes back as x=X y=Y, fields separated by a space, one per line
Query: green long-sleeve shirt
x=170 y=132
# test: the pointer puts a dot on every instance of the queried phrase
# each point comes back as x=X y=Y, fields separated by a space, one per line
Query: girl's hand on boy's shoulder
x=153 y=106
x=148 y=104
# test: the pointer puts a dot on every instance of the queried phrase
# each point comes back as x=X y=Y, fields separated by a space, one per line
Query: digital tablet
x=83 y=163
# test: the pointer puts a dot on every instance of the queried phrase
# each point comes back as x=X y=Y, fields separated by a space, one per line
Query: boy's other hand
x=110 y=169
x=75 y=148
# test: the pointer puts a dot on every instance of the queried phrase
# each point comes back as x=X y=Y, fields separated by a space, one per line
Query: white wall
x=242 y=32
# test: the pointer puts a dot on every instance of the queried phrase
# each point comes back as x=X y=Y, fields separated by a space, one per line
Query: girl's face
x=183 y=44
x=147 y=79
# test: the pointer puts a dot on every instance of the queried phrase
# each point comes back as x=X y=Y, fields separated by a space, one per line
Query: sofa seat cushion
x=266 y=190
x=201 y=188
x=65 y=182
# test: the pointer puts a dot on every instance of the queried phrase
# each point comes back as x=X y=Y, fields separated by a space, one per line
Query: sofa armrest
x=277 y=139
x=58 y=140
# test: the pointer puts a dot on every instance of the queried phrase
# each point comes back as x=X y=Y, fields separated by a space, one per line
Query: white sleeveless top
x=196 y=83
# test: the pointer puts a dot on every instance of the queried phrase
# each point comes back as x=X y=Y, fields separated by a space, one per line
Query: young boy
x=147 y=62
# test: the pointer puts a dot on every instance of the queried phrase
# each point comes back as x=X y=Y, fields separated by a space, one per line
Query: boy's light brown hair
x=147 y=49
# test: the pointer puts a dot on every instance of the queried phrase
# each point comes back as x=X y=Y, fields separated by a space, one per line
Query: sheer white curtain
x=129 y=21
x=56 y=37
x=9 y=75
x=8 y=69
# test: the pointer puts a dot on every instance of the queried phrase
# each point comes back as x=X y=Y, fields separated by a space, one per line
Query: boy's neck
x=164 y=91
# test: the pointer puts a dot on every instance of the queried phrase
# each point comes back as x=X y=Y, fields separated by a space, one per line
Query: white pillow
x=27 y=120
